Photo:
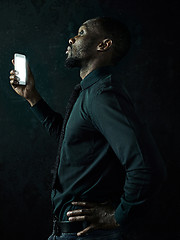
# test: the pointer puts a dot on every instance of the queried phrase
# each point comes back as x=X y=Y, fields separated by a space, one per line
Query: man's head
x=102 y=40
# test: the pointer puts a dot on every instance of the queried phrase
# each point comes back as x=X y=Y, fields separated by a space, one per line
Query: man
x=101 y=140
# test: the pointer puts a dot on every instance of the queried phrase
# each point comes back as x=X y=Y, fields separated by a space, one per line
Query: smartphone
x=20 y=67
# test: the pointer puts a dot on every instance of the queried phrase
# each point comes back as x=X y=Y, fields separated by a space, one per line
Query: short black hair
x=118 y=33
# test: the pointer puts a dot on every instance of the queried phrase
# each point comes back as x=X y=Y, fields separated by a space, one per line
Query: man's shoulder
x=103 y=84
x=109 y=85
x=109 y=91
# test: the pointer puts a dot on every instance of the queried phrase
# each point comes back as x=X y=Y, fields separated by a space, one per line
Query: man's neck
x=84 y=71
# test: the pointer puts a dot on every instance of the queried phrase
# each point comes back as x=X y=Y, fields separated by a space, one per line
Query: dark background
x=40 y=30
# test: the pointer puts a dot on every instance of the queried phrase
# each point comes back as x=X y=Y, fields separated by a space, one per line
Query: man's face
x=82 y=47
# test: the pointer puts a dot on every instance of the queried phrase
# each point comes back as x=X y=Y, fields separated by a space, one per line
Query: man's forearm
x=51 y=120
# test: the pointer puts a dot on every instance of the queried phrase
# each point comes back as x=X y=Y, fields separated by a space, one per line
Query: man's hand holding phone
x=27 y=91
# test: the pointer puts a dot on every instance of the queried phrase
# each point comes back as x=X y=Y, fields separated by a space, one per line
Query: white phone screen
x=20 y=67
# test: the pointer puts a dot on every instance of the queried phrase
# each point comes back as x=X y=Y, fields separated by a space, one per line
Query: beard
x=72 y=62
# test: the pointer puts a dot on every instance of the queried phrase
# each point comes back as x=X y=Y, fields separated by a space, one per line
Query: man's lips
x=68 y=49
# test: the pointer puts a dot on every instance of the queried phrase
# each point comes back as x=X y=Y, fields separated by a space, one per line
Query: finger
x=28 y=68
x=79 y=212
x=29 y=74
x=84 y=204
x=82 y=218
x=12 y=61
x=77 y=218
x=14 y=82
x=14 y=72
x=13 y=77
x=90 y=228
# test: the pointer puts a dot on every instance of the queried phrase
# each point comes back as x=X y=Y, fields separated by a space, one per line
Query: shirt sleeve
x=51 y=120
x=114 y=116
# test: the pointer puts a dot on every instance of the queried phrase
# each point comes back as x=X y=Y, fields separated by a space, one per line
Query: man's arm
x=51 y=120
x=114 y=116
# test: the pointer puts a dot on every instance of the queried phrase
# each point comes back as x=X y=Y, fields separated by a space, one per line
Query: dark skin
x=93 y=51
x=91 y=48
x=98 y=215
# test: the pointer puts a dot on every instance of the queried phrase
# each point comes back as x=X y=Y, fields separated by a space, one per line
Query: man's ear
x=104 y=45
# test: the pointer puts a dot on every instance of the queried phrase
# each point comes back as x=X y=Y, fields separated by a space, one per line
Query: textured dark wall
x=40 y=29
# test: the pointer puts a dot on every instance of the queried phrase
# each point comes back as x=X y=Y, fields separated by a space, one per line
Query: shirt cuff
x=41 y=110
x=122 y=212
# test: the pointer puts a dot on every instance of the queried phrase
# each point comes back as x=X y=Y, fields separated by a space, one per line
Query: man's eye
x=81 y=32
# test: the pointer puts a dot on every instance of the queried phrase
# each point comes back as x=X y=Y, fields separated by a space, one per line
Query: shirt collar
x=95 y=76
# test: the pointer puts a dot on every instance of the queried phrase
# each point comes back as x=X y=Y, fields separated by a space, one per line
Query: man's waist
x=62 y=215
x=60 y=227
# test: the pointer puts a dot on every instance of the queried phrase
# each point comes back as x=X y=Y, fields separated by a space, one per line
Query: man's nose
x=71 y=41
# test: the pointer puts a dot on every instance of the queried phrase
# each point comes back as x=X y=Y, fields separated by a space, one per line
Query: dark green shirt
x=107 y=152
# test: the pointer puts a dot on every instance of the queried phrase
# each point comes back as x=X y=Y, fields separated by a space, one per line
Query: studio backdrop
x=40 y=30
